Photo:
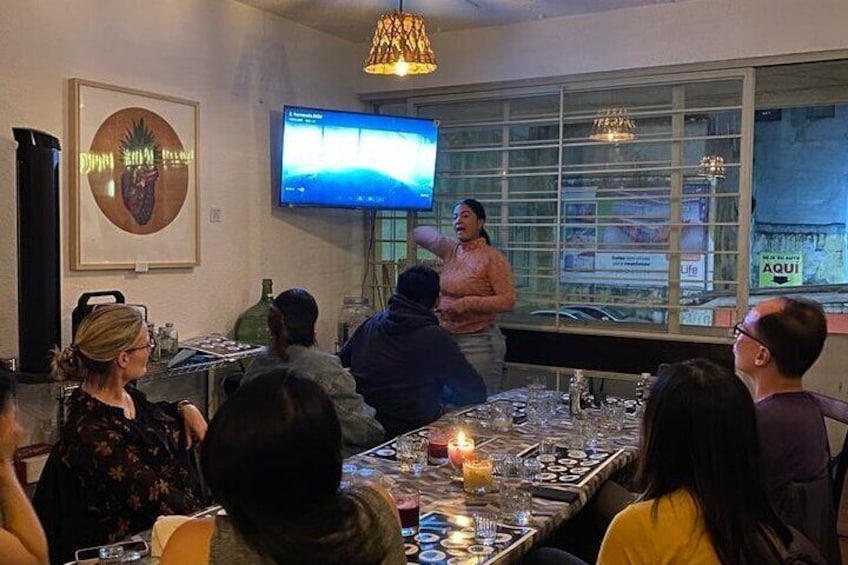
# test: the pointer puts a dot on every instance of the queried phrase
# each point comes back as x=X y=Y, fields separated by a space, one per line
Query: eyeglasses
x=151 y=344
x=739 y=329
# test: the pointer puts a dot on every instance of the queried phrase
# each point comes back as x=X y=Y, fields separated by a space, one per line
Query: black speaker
x=39 y=261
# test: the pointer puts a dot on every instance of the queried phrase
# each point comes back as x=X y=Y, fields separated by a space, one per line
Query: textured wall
x=242 y=65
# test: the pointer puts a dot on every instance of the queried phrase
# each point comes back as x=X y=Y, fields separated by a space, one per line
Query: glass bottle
x=252 y=324
x=168 y=341
x=355 y=310
x=576 y=392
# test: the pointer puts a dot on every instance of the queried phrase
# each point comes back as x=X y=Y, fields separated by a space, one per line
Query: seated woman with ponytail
x=272 y=458
x=121 y=460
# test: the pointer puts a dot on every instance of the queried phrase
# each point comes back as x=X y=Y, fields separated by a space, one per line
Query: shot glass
x=485 y=527
x=437 y=445
x=477 y=476
x=408 y=502
x=501 y=413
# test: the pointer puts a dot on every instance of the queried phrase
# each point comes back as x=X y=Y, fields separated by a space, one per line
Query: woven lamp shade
x=613 y=125
x=400 y=46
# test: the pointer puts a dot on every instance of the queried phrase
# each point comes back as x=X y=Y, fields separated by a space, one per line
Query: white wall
x=694 y=31
x=241 y=65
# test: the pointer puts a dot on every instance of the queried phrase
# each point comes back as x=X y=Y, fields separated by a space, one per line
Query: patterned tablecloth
x=444 y=499
x=439 y=493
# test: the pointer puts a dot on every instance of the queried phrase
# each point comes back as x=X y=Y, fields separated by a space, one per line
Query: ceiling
x=354 y=20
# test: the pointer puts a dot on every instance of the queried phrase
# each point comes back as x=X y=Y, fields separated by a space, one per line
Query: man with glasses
x=776 y=343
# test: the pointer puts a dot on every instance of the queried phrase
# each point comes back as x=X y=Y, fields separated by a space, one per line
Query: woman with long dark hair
x=476 y=284
x=704 y=499
x=21 y=537
x=272 y=458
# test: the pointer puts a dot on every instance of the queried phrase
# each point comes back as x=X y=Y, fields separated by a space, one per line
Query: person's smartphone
x=92 y=554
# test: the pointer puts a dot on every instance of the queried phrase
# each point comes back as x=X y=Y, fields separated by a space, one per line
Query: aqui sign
x=781 y=269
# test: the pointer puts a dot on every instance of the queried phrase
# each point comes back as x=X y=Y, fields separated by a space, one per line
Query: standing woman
x=22 y=540
x=128 y=457
x=476 y=284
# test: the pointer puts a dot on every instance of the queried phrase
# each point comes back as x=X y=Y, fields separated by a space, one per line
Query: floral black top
x=130 y=471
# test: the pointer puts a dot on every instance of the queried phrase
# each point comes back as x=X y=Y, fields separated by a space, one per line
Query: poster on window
x=781 y=269
x=626 y=241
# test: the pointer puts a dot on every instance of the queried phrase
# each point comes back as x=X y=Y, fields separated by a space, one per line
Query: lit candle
x=460 y=449
x=477 y=476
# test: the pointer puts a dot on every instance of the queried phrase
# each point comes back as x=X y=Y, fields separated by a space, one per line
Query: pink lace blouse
x=476 y=281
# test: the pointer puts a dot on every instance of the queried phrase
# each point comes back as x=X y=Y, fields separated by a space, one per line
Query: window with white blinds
x=627 y=223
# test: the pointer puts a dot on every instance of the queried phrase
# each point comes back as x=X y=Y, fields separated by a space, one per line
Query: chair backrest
x=837 y=410
x=58 y=504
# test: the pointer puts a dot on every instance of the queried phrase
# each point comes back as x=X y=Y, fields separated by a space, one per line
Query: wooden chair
x=837 y=410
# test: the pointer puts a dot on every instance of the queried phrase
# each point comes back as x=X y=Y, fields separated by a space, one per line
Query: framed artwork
x=133 y=178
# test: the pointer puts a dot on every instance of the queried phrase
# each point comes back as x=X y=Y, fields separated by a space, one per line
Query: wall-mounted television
x=353 y=160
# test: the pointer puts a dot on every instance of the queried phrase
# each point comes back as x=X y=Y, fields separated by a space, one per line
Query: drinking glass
x=532 y=468
x=501 y=413
x=547 y=450
x=477 y=476
x=411 y=454
x=408 y=502
x=485 y=527
x=516 y=502
x=437 y=444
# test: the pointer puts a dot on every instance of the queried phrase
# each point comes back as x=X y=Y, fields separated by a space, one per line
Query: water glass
x=532 y=468
x=541 y=407
x=501 y=414
x=547 y=450
x=485 y=527
x=516 y=502
x=408 y=502
x=484 y=415
x=411 y=454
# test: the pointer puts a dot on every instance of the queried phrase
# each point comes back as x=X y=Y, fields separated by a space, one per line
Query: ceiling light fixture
x=400 y=46
x=712 y=167
x=613 y=125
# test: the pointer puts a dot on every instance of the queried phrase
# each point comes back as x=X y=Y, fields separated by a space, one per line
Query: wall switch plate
x=215 y=215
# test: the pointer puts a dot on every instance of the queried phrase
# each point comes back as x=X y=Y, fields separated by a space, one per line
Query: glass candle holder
x=477 y=476
x=460 y=450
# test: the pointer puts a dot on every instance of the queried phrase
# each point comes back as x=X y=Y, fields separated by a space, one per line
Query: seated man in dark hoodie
x=405 y=365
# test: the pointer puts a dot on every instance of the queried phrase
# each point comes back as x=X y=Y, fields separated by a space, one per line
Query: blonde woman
x=128 y=456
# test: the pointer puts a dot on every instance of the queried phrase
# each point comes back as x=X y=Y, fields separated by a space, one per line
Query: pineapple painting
x=141 y=157
x=141 y=183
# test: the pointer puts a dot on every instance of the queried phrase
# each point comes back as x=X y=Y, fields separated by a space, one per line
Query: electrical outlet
x=215 y=215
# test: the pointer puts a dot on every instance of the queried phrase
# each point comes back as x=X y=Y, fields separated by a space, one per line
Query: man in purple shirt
x=776 y=343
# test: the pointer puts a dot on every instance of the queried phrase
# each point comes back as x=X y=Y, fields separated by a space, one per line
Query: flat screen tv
x=353 y=160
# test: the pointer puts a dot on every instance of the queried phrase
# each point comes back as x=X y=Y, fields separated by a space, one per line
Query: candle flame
x=460 y=438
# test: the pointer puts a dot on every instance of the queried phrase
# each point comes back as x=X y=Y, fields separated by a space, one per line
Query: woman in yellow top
x=704 y=500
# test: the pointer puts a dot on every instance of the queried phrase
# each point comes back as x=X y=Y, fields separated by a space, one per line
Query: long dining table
x=445 y=505
x=446 y=533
